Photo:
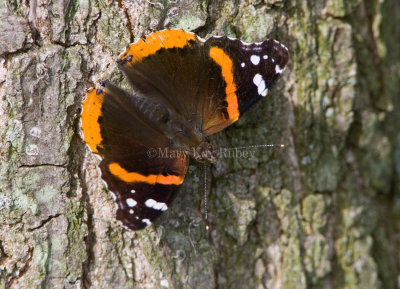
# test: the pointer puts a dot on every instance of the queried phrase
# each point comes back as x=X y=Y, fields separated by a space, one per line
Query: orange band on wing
x=225 y=62
x=91 y=111
x=155 y=41
x=132 y=177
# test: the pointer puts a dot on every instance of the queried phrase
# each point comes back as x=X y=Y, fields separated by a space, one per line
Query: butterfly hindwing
x=143 y=180
x=143 y=191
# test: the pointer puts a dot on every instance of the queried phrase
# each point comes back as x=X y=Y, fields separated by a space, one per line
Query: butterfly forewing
x=255 y=67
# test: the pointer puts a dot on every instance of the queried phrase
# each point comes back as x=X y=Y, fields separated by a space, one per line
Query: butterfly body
x=184 y=90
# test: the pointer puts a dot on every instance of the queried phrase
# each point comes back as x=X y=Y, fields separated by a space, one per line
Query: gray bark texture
x=321 y=213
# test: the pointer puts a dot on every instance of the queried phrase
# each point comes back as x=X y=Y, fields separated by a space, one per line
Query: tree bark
x=321 y=213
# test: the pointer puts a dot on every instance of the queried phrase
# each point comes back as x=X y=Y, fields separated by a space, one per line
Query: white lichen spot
x=17 y=125
x=173 y=12
x=306 y=160
x=35 y=132
x=32 y=150
x=5 y=202
x=329 y=112
x=153 y=24
x=164 y=283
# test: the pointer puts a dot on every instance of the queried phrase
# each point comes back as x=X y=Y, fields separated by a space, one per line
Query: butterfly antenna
x=205 y=198
x=257 y=146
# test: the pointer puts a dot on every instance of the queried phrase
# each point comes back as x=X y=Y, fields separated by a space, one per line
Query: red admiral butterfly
x=184 y=90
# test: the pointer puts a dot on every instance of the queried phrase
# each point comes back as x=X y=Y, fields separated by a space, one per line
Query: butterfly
x=184 y=89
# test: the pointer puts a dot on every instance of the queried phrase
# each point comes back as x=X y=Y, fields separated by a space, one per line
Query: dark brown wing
x=137 y=164
x=144 y=186
x=211 y=83
x=248 y=70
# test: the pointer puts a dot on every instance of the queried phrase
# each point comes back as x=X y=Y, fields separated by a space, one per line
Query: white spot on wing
x=150 y=203
x=278 y=70
x=131 y=212
x=160 y=206
x=131 y=202
x=255 y=59
x=133 y=191
x=242 y=64
x=265 y=56
x=147 y=222
x=258 y=80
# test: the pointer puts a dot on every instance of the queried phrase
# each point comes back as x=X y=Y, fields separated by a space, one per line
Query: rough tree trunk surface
x=321 y=213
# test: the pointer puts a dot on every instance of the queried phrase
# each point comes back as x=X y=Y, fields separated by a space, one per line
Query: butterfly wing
x=211 y=83
x=143 y=180
x=248 y=71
